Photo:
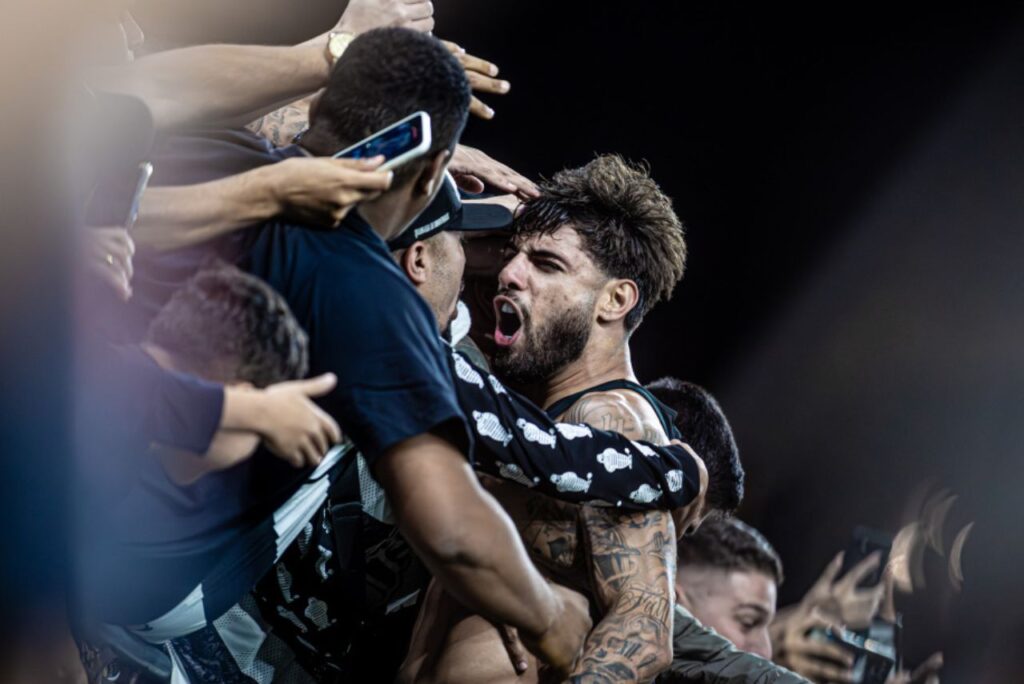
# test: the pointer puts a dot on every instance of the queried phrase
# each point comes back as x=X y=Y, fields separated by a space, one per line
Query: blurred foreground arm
x=217 y=85
x=314 y=190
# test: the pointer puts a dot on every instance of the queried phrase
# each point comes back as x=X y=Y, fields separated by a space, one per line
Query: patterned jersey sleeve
x=517 y=441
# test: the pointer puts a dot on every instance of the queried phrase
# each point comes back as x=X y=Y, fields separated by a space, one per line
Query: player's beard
x=545 y=349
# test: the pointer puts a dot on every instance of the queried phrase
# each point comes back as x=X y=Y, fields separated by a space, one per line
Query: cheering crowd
x=338 y=424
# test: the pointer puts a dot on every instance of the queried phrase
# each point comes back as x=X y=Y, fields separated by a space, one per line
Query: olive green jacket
x=700 y=655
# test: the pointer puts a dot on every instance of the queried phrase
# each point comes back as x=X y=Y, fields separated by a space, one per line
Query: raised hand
x=482 y=77
x=322 y=191
x=472 y=169
x=295 y=428
x=363 y=15
x=842 y=600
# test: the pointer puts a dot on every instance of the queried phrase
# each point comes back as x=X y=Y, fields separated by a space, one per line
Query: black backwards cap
x=447 y=212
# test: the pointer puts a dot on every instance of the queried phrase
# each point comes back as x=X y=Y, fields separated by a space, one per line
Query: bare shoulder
x=620 y=410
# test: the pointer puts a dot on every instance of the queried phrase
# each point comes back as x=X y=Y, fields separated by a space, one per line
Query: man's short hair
x=229 y=326
x=383 y=76
x=729 y=544
x=626 y=223
x=706 y=429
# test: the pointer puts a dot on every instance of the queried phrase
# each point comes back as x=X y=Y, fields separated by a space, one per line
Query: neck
x=601 y=361
x=159 y=356
x=385 y=214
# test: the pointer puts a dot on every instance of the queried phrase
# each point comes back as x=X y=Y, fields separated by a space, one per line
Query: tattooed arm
x=632 y=562
x=282 y=125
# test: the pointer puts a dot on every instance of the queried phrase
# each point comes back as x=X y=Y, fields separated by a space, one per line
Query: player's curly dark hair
x=229 y=326
x=729 y=544
x=627 y=225
x=706 y=429
x=383 y=76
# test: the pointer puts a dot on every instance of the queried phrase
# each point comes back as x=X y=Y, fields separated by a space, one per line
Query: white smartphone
x=400 y=142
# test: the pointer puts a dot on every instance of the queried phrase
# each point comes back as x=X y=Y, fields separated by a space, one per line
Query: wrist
x=264 y=192
x=244 y=409
x=316 y=61
x=546 y=628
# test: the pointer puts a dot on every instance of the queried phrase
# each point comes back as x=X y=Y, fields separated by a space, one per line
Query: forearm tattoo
x=549 y=529
x=632 y=566
x=282 y=125
x=632 y=563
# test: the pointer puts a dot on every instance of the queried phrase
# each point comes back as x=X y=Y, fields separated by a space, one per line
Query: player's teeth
x=507 y=308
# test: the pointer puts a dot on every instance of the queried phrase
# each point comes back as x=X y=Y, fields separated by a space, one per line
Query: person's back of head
x=706 y=429
x=231 y=327
x=383 y=76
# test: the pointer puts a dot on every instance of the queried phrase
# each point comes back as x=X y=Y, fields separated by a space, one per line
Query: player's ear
x=415 y=263
x=620 y=296
x=432 y=174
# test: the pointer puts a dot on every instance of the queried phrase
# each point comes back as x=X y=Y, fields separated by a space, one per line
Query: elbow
x=451 y=549
x=453 y=545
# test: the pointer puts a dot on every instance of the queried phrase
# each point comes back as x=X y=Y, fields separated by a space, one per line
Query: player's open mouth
x=509 y=326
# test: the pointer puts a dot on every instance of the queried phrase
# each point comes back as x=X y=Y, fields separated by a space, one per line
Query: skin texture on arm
x=217 y=85
x=472 y=548
x=320 y=191
x=632 y=561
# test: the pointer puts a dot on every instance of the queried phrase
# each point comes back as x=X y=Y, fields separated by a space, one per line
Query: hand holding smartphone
x=399 y=143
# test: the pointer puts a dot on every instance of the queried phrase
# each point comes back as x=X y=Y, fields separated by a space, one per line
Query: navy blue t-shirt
x=188 y=160
x=369 y=326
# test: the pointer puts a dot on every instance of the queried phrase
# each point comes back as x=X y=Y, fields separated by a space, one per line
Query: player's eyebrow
x=549 y=254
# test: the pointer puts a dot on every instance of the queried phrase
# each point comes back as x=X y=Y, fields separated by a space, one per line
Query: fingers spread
x=861 y=570
x=486 y=84
x=478 y=109
x=831 y=570
x=472 y=63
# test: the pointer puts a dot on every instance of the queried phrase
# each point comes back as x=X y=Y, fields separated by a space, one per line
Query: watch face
x=337 y=42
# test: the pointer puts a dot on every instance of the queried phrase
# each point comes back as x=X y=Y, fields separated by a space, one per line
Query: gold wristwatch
x=337 y=41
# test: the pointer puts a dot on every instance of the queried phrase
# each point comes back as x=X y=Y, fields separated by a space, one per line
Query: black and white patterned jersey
x=517 y=441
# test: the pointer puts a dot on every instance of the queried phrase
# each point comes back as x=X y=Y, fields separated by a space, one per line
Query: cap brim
x=482 y=216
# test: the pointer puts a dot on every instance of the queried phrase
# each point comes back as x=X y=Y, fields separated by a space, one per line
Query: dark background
x=852 y=179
